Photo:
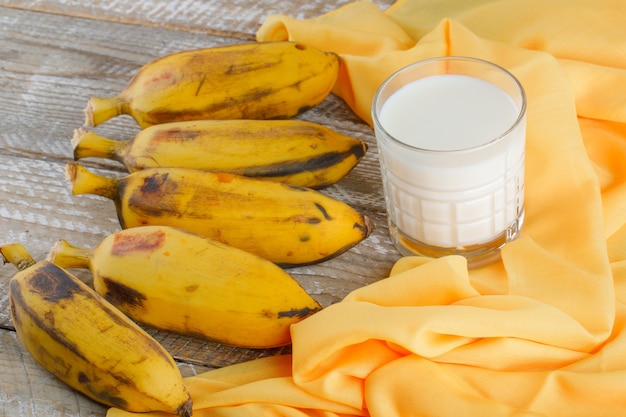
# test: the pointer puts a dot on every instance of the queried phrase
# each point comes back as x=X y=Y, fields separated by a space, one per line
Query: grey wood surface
x=54 y=55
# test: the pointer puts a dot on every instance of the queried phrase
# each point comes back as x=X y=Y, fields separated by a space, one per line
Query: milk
x=452 y=165
x=448 y=112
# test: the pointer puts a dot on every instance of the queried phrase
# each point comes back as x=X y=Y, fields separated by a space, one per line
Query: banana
x=255 y=80
x=285 y=224
x=87 y=343
x=290 y=151
x=217 y=292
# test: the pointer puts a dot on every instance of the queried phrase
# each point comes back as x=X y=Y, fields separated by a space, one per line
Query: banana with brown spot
x=87 y=343
x=179 y=281
x=285 y=224
x=296 y=152
x=254 y=80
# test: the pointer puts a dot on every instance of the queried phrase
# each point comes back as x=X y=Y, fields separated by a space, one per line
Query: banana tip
x=88 y=112
x=71 y=169
x=186 y=409
x=54 y=251
x=17 y=255
x=370 y=226
x=77 y=137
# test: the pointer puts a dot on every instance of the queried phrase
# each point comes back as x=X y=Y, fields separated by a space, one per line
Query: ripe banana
x=87 y=343
x=290 y=151
x=285 y=224
x=256 y=80
x=218 y=292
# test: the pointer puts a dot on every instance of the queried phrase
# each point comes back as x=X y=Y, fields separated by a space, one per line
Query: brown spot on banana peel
x=323 y=211
x=192 y=288
x=107 y=396
x=242 y=102
x=19 y=305
x=200 y=84
x=225 y=177
x=127 y=244
x=176 y=134
x=51 y=285
x=300 y=313
x=305 y=219
x=366 y=229
x=54 y=285
x=122 y=295
x=154 y=184
x=248 y=67
x=326 y=160
x=153 y=193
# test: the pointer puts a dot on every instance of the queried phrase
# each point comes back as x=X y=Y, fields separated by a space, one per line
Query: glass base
x=477 y=255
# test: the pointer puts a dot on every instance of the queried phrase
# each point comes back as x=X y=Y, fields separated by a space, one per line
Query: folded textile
x=541 y=333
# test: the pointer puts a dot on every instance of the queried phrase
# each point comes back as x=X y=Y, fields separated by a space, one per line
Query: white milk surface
x=451 y=195
x=448 y=112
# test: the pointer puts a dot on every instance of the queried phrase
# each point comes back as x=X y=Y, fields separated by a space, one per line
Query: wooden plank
x=233 y=19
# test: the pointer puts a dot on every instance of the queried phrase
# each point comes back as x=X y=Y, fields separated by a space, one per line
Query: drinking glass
x=451 y=141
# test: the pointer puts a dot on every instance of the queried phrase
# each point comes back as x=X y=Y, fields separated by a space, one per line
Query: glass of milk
x=451 y=142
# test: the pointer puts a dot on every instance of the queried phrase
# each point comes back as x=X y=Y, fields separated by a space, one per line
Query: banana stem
x=99 y=110
x=65 y=255
x=17 y=255
x=88 y=144
x=86 y=182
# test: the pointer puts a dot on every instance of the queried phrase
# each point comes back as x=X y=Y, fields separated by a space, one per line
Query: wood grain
x=232 y=19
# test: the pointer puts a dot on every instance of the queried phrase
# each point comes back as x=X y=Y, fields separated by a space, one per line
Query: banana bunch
x=219 y=292
x=285 y=224
x=291 y=151
x=87 y=343
x=256 y=80
x=216 y=201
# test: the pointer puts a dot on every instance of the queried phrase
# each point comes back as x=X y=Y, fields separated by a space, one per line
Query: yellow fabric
x=541 y=333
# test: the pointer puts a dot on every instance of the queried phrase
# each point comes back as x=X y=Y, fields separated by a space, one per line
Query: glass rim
x=520 y=116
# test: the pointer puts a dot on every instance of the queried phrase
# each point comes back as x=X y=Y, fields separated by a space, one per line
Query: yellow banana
x=178 y=281
x=256 y=80
x=291 y=151
x=285 y=224
x=87 y=343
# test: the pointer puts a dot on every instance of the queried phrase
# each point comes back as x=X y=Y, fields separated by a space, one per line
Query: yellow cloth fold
x=541 y=333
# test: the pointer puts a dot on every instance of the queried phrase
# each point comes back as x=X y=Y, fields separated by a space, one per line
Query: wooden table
x=54 y=55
